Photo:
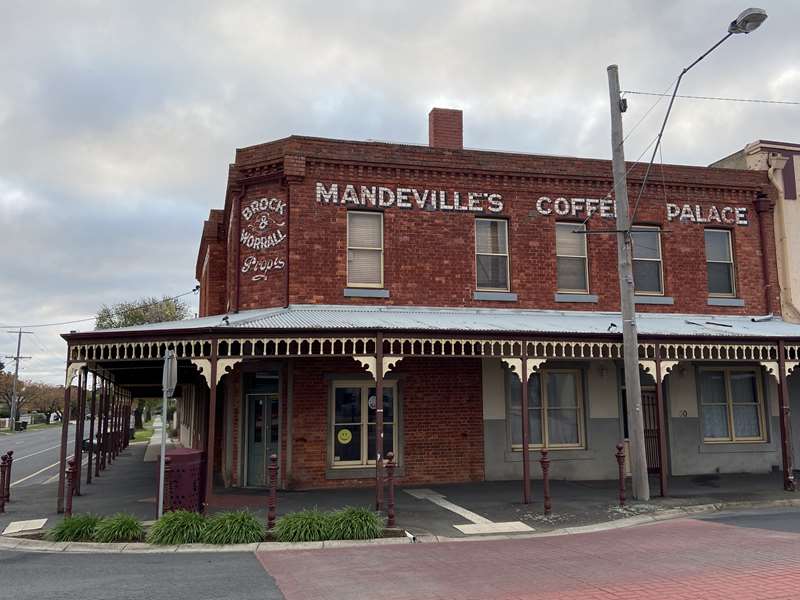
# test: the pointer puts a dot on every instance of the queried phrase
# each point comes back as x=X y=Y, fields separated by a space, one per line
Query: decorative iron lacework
x=405 y=346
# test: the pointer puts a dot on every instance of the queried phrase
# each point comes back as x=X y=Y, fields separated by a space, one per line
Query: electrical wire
x=193 y=291
x=719 y=98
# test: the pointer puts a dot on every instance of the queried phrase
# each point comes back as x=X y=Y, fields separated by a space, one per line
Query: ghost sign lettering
x=263 y=229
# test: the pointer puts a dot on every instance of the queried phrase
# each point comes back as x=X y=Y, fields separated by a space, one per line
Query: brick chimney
x=446 y=128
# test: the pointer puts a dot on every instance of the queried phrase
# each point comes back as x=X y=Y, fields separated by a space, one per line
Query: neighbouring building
x=781 y=162
x=445 y=281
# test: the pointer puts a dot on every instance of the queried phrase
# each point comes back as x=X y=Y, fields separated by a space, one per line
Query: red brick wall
x=442 y=420
x=429 y=255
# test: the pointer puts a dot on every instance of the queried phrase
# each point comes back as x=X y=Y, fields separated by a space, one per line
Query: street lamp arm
x=664 y=123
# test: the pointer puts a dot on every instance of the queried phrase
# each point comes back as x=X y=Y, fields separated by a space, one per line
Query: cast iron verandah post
x=526 y=460
x=62 y=463
x=378 y=421
x=92 y=449
x=785 y=422
x=660 y=423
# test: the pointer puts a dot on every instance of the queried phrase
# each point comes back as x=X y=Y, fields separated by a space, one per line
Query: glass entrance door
x=262 y=434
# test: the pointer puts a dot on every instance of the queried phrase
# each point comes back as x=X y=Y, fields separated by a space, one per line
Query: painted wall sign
x=409 y=198
x=686 y=213
x=711 y=214
x=263 y=228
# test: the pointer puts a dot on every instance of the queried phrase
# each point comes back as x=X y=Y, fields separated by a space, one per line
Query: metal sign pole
x=168 y=387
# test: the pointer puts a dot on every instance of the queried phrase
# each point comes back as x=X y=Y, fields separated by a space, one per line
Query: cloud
x=118 y=120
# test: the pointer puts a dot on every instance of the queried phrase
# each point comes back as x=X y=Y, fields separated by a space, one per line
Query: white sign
x=409 y=198
x=263 y=228
x=711 y=214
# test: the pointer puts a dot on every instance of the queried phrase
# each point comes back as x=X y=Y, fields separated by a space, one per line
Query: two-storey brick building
x=447 y=281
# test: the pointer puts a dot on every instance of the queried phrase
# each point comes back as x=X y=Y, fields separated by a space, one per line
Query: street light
x=747 y=21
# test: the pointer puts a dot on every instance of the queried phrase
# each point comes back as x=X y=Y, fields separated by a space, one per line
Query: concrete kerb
x=21 y=544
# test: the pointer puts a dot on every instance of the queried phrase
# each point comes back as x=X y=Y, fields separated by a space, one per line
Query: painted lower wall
x=602 y=426
x=688 y=454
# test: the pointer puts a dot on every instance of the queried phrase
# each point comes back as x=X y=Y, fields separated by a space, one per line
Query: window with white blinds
x=572 y=273
x=364 y=249
x=491 y=254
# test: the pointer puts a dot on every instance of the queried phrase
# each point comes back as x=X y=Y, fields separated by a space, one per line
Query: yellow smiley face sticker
x=345 y=436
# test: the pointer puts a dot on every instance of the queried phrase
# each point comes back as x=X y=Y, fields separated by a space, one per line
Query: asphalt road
x=36 y=453
x=36 y=576
x=744 y=555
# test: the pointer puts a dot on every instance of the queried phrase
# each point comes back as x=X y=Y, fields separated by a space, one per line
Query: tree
x=140 y=312
x=45 y=398
x=6 y=389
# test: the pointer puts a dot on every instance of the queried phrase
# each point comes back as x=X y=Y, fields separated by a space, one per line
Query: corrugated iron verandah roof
x=325 y=330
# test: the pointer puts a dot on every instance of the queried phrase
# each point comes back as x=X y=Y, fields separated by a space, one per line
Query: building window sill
x=365 y=293
x=358 y=472
x=565 y=297
x=654 y=299
x=714 y=301
x=495 y=296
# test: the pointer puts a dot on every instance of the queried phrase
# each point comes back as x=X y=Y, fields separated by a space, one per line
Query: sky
x=118 y=119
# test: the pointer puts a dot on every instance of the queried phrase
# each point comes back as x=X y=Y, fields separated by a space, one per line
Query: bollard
x=390 y=520
x=70 y=487
x=3 y=461
x=272 y=504
x=545 y=462
x=10 y=455
x=621 y=462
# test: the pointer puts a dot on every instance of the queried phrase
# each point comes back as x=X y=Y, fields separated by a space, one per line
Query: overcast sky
x=118 y=120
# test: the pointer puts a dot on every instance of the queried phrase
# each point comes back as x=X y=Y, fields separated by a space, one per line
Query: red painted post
x=10 y=461
x=545 y=462
x=167 y=484
x=621 y=462
x=273 y=491
x=390 y=520
x=70 y=487
x=3 y=469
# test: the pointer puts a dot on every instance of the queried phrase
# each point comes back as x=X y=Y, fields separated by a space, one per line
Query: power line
x=722 y=99
x=193 y=291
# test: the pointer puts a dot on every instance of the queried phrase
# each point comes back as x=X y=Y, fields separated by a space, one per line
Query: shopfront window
x=732 y=405
x=648 y=272
x=555 y=410
x=491 y=254
x=364 y=249
x=571 y=263
x=719 y=263
x=353 y=423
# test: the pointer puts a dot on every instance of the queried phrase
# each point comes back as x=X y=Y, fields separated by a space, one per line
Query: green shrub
x=78 y=528
x=239 y=527
x=178 y=527
x=353 y=523
x=119 y=528
x=303 y=526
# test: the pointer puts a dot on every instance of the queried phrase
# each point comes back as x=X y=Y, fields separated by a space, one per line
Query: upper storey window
x=364 y=249
x=719 y=263
x=571 y=263
x=491 y=254
x=648 y=273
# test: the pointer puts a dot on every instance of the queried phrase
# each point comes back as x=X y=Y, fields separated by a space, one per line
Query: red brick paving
x=676 y=560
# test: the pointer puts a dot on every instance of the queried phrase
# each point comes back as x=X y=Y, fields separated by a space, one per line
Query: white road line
x=478 y=523
x=17 y=459
x=54 y=477
x=39 y=472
